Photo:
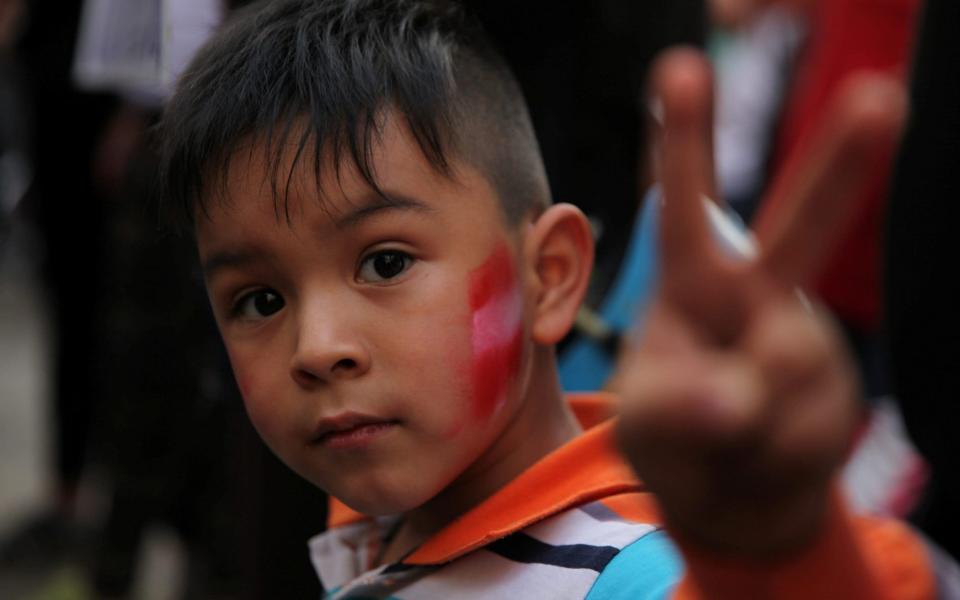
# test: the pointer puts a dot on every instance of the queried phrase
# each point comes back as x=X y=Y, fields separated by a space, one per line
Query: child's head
x=371 y=214
x=324 y=74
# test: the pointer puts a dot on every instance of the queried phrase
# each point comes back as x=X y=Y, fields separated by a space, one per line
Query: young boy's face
x=380 y=348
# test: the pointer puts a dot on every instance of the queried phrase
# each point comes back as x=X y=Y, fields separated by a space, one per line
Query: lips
x=349 y=430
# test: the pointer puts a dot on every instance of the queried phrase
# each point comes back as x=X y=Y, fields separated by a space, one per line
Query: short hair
x=322 y=73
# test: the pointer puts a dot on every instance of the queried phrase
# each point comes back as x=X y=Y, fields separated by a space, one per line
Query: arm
x=849 y=557
x=739 y=402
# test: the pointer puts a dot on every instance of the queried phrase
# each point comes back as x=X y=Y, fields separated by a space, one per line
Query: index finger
x=682 y=86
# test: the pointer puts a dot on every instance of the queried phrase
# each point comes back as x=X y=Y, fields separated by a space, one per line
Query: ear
x=558 y=249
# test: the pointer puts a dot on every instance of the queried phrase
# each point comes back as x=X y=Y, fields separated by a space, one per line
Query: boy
x=389 y=278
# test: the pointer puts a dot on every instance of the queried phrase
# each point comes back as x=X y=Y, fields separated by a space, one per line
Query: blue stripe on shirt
x=648 y=569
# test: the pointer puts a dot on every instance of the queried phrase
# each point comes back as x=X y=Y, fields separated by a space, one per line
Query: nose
x=328 y=348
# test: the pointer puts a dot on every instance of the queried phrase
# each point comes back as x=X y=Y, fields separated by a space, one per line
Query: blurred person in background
x=14 y=135
x=143 y=389
x=753 y=62
x=159 y=370
x=844 y=37
x=64 y=206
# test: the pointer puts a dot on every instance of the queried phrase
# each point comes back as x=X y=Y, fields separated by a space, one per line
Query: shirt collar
x=586 y=469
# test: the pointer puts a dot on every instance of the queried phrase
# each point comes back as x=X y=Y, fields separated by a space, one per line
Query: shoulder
x=617 y=541
x=648 y=568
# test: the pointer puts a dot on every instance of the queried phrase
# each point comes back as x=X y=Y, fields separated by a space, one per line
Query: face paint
x=496 y=306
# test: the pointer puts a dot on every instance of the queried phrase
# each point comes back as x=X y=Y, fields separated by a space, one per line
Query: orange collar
x=586 y=469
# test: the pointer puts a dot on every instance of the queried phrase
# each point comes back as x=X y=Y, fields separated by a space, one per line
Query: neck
x=542 y=423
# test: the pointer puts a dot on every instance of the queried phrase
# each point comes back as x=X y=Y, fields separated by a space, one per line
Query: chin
x=378 y=500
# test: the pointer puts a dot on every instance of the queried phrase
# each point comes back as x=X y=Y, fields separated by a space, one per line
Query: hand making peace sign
x=739 y=400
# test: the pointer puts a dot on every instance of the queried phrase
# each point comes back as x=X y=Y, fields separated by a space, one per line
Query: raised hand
x=739 y=401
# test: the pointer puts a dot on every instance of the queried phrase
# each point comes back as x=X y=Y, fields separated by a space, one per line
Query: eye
x=258 y=304
x=384 y=265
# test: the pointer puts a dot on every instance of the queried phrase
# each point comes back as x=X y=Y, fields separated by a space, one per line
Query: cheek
x=249 y=380
x=257 y=388
x=246 y=385
x=496 y=331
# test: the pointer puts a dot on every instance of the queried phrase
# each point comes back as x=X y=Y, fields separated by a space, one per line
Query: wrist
x=764 y=529
x=828 y=564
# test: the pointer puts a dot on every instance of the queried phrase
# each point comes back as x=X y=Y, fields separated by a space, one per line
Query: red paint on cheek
x=492 y=371
x=497 y=333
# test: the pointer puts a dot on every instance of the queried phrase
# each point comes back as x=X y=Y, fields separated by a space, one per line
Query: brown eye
x=384 y=265
x=259 y=304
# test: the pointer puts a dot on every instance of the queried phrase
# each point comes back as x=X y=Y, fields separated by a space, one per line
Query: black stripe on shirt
x=520 y=547
x=399 y=567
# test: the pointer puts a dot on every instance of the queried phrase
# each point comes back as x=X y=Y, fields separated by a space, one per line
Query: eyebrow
x=226 y=259
x=375 y=204
x=369 y=207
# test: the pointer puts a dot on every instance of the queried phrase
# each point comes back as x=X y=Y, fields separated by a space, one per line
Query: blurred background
x=127 y=466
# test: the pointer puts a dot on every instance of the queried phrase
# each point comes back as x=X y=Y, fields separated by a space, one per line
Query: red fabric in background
x=846 y=36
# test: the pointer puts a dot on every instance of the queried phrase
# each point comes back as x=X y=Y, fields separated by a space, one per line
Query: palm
x=739 y=403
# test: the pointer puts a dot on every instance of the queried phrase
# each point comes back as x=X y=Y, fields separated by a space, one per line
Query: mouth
x=350 y=430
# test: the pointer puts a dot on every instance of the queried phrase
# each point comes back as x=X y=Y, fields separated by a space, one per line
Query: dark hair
x=324 y=72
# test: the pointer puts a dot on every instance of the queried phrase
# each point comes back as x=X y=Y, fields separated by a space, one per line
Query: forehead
x=282 y=184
